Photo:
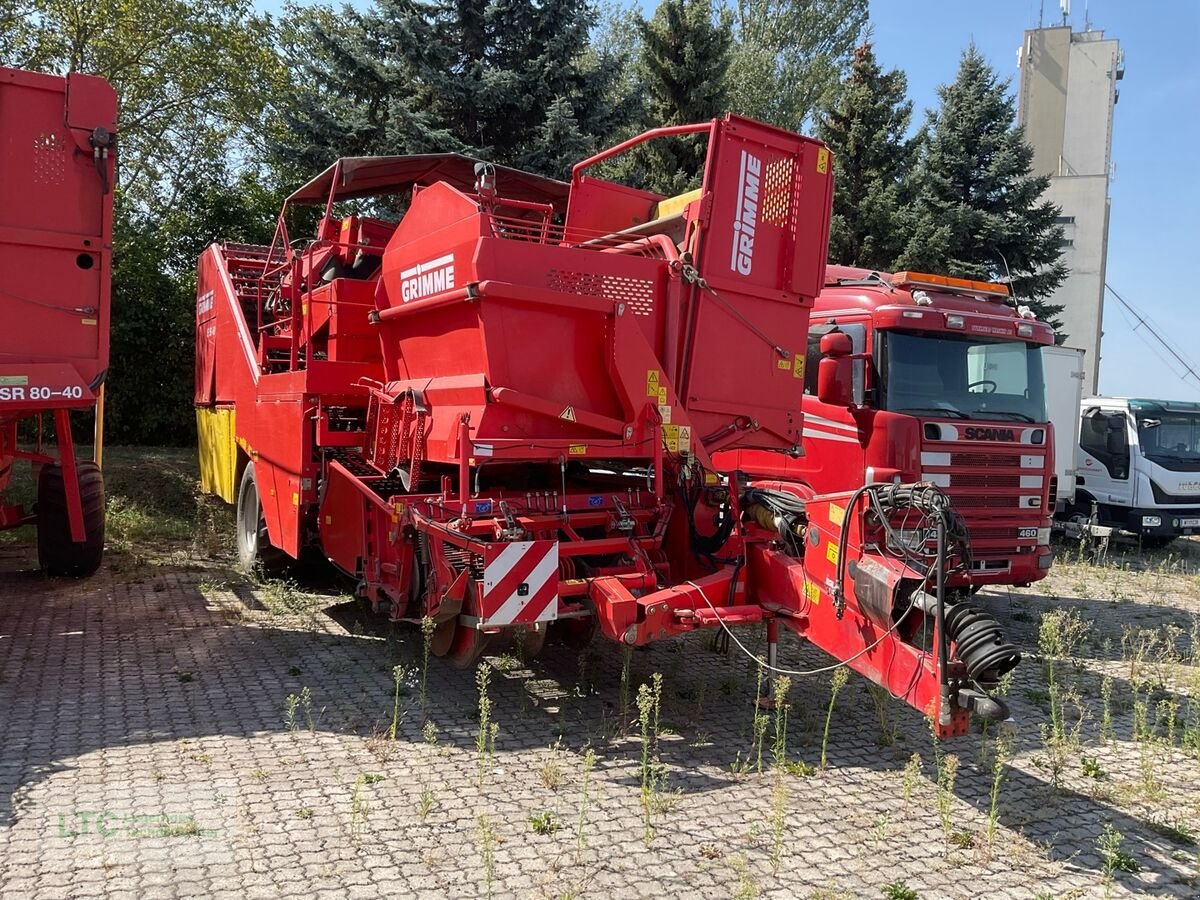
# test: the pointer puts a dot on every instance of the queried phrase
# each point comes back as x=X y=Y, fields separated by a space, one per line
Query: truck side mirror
x=836 y=344
x=835 y=378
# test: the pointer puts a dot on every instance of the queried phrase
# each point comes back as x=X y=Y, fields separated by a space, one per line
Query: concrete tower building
x=1068 y=90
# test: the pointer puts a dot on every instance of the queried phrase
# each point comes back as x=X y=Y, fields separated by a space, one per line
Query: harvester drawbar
x=57 y=168
x=499 y=413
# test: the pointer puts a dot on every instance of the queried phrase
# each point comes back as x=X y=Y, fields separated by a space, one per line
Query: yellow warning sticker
x=812 y=593
x=711 y=478
x=662 y=396
x=831 y=553
x=577 y=449
x=783 y=364
x=685 y=439
x=822 y=161
x=798 y=366
x=837 y=514
x=671 y=438
x=88 y=322
x=295 y=499
x=652 y=383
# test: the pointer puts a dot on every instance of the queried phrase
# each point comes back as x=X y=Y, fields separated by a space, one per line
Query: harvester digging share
x=500 y=413
x=57 y=159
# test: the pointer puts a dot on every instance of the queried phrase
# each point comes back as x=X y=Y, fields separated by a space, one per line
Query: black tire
x=254 y=548
x=57 y=553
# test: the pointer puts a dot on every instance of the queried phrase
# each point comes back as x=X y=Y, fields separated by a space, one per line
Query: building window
x=1064 y=220
x=1067 y=242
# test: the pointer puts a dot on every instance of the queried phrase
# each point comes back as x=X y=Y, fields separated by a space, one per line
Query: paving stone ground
x=147 y=750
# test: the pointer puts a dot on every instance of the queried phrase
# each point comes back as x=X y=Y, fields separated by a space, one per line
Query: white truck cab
x=1138 y=467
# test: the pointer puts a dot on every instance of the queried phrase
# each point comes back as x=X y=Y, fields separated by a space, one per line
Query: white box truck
x=1138 y=467
x=1063 y=370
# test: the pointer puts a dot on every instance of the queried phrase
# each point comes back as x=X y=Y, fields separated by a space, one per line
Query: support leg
x=767 y=701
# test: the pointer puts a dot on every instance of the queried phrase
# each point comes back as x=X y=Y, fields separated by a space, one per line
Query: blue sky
x=1154 y=231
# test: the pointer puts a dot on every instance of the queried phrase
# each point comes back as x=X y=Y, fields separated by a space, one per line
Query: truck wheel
x=57 y=553
x=254 y=548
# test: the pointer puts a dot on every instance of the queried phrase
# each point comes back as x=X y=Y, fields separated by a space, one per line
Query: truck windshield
x=1168 y=434
x=962 y=377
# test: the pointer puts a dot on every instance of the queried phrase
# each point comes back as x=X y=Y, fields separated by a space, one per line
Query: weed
x=398 y=680
x=359 y=809
x=485 y=738
x=1166 y=714
x=779 y=793
x=259 y=774
x=746 y=888
x=290 y=705
x=551 y=769
x=879 y=829
x=912 y=774
x=304 y=812
x=963 y=840
x=1000 y=757
x=779 y=798
x=544 y=822
x=1091 y=768
x=589 y=763
x=187 y=828
x=430 y=733
x=799 y=768
x=306 y=705
x=840 y=676
x=946 y=766
x=626 y=660
x=426 y=643
x=1114 y=858
x=380 y=745
x=1106 y=723
x=487 y=851
x=882 y=701
x=898 y=890
x=1178 y=831
x=426 y=804
x=649 y=700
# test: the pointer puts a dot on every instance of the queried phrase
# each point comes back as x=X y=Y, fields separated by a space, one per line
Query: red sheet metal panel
x=57 y=160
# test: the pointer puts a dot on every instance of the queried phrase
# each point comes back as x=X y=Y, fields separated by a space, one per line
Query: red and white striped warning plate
x=520 y=583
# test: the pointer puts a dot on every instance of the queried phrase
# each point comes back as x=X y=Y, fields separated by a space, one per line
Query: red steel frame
x=58 y=159
x=507 y=417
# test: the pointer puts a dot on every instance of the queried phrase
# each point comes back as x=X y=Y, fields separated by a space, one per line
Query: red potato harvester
x=57 y=167
x=500 y=413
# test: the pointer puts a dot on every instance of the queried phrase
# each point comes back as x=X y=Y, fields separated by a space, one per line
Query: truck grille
x=973 y=458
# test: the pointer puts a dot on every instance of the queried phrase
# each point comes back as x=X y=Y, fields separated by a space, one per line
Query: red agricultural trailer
x=499 y=413
x=57 y=156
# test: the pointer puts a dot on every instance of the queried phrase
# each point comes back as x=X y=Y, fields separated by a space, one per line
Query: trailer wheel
x=57 y=553
x=253 y=543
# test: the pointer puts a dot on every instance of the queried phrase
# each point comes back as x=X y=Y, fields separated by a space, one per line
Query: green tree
x=515 y=81
x=866 y=129
x=978 y=210
x=192 y=79
x=790 y=54
x=684 y=63
x=149 y=387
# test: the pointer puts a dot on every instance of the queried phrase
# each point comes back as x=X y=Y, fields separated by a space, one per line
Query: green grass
x=153 y=499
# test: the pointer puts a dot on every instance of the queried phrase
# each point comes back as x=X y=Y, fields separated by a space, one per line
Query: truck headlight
x=1151 y=521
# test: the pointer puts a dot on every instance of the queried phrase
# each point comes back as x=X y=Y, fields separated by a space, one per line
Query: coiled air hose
x=979 y=643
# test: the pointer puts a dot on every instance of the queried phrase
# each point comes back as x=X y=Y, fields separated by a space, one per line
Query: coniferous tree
x=866 y=130
x=515 y=81
x=978 y=210
x=684 y=60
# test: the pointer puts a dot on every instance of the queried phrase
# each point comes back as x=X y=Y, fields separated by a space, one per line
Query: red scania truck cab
x=914 y=377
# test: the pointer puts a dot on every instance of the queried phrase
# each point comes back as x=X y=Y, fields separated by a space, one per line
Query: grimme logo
x=990 y=434
x=746 y=221
x=427 y=278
